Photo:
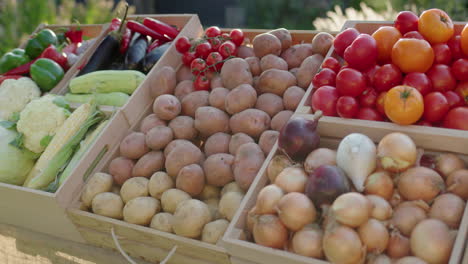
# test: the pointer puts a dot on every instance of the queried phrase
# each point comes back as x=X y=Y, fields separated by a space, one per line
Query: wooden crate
x=243 y=252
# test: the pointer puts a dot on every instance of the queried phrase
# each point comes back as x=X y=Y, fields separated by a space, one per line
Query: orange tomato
x=412 y=55
x=464 y=40
x=435 y=25
x=404 y=105
x=386 y=37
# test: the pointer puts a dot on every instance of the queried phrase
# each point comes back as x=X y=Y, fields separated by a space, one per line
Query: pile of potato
x=186 y=170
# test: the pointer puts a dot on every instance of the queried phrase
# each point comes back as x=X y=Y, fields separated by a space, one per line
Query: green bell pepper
x=39 y=42
x=46 y=73
x=13 y=59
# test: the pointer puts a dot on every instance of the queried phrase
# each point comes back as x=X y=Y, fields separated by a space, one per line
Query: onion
x=457 y=183
x=341 y=244
x=352 y=209
x=449 y=209
x=308 y=242
x=374 y=236
x=251 y=218
x=431 y=241
x=398 y=245
x=296 y=210
x=319 y=157
x=292 y=179
x=420 y=183
x=379 y=183
x=267 y=199
x=446 y=163
x=396 y=198
x=277 y=165
x=406 y=217
x=378 y=259
x=382 y=210
x=396 y=152
x=270 y=232
x=410 y=260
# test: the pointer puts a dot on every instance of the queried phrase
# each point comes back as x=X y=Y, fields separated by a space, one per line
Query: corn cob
x=107 y=81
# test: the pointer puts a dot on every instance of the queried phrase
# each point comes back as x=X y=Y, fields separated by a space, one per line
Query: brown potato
x=217 y=97
x=166 y=107
x=254 y=64
x=249 y=158
x=276 y=81
x=270 y=103
x=163 y=81
x=235 y=72
x=240 y=98
x=296 y=54
x=238 y=140
x=216 y=82
x=294 y=71
x=183 y=127
x=292 y=97
x=271 y=61
x=174 y=143
x=245 y=52
x=267 y=140
x=210 y=120
x=133 y=146
x=158 y=137
x=284 y=36
x=218 y=170
x=193 y=101
x=149 y=122
x=150 y=163
x=181 y=156
x=251 y=122
x=184 y=73
x=266 y=43
x=255 y=84
x=191 y=179
x=121 y=169
x=280 y=119
x=217 y=143
x=321 y=43
x=308 y=69
x=183 y=89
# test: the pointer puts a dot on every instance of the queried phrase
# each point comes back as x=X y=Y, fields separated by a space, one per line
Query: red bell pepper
x=161 y=27
x=56 y=55
x=75 y=36
x=144 y=30
x=21 y=70
x=6 y=77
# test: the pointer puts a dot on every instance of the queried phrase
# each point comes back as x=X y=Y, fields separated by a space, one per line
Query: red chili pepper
x=21 y=70
x=161 y=27
x=56 y=55
x=7 y=77
x=125 y=42
x=154 y=45
x=75 y=36
x=115 y=24
x=144 y=30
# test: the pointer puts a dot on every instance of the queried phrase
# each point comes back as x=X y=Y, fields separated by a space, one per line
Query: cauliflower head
x=15 y=95
x=39 y=121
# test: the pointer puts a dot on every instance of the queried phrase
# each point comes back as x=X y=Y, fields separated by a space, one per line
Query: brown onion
x=374 y=235
x=270 y=232
x=407 y=216
x=457 y=183
x=382 y=209
x=379 y=183
x=292 y=179
x=420 y=183
x=319 y=157
x=448 y=208
x=296 y=210
x=396 y=152
x=378 y=259
x=267 y=199
x=251 y=218
x=431 y=241
x=307 y=242
x=410 y=260
x=398 y=245
x=277 y=165
x=396 y=198
x=446 y=163
x=341 y=244
x=352 y=209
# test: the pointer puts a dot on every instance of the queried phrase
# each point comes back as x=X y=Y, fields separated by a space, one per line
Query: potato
x=270 y=104
x=209 y=192
x=213 y=206
x=231 y=187
x=159 y=183
x=133 y=146
x=240 y=98
x=271 y=61
x=280 y=119
x=217 y=97
x=210 y=120
x=284 y=36
x=190 y=218
x=193 y=101
x=321 y=43
x=108 y=204
x=266 y=43
x=217 y=143
x=216 y=82
x=183 y=127
x=254 y=65
x=294 y=71
x=184 y=73
x=267 y=140
x=134 y=187
x=245 y=52
x=181 y=156
x=217 y=168
x=292 y=97
x=249 y=158
x=149 y=122
x=277 y=165
x=171 y=198
x=162 y=222
x=296 y=54
x=140 y=210
x=98 y=183
x=308 y=69
x=229 y=204
x=237 y=140
x=213 y=231
x=150 y=163
x=166 y=107
x=174 y=143
x=163 y=81
x=121 y=169
x=251 y=122
x=235 y=72
x=158 y=137
x=276 y=81
x=191 y=179
x=183 y=89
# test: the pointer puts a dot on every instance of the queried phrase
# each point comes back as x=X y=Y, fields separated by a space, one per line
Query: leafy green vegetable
x=61 y=102
x=8 y=124
x=18 y=141
x=46 y=140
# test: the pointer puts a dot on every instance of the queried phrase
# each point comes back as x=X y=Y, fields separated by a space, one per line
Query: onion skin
x=270 y=232
x=378 y=259
x=352 y=209
x=420 y=183
x=277 y=165
x=319 y=157
x=342 y=245
x=325 y=184
x=398 y=245
x=448 y=208
x=410 y=260
x=267 y=199
x=406 y=217
x=431 y=241
x=292 y=179
x=457 y=183
x=382 y=210
x=298 y=138
x=396 y=152
x=374 y=235
x=379 y=183
x=446 y=163
x=396 y=198
x=295 y=210
x=308 y=242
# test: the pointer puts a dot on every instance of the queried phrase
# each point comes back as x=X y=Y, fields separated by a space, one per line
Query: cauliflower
x=39 y=121
x=15 y=95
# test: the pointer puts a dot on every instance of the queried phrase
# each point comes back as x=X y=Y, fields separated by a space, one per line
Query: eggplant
x=103 y=56
x=136 y=52
x=152 y=58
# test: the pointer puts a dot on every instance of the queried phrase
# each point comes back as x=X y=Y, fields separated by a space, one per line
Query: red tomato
x=457 y=118
x=370 y=73
x=455 y=47
x=420 y=81
x=325 y=99
x=368 y=98
x=212 y=32
x=406 y=21
x=331 y=63
x=182 y=44
x=424 y=123
x=237 y=36
x=387 y=77
x=362 y=53
x=460 y=69
x=368 y=113
x=214 y=60
x=347 y=107
x=202 y=50
x=188 y=57
x=350 y=82
x=462 y=90
x=201 y=83
x=198 y=65
x=227 y=49
x=324 y=77
x=442 y=53
x=413 y=34
x=380 y=103
x=454 y=99
x=442 y=78
x=435 y=107
x=344 y=39
x=215 y=43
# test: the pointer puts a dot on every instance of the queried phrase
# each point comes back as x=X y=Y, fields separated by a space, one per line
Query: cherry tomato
x=442 y=53
x=182 y=44
x=350 y=82
x=237 y=36
x=344 y=39
x=362 y=53
x=442 y=78
x=215 y=43
x=420 y=81
x=460 y=69
x=386 y=77
x=331 y=63
x=454 y=99
x=227 y=49
x=404 y=105
x=370 y=73
x=367 y=113
x=424 y=123
x=380 y=103
x=201 y=83
x=188 y=57
x=324 y=99
x=457 y=118
x=413 y=34
x=435 y=107
x=347 y=107
x=202 y=50
x=212 y=32
x=214 y=60
x=406 y=21
x=455 y=47
x=198 y=65
x=368 y=98
x=324 y=77
x=462 y=90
